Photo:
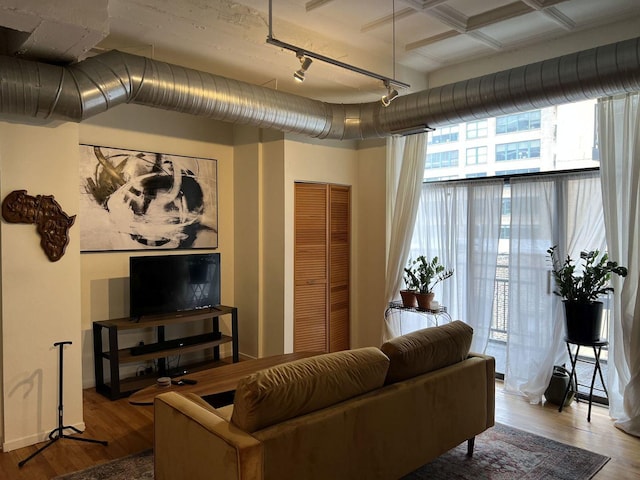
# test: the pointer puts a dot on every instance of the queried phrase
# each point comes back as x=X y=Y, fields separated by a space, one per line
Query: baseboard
x=35 y=438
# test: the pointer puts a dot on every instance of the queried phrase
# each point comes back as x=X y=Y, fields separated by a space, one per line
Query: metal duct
x=77 y=92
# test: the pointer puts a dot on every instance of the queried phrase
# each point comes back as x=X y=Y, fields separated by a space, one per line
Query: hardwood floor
x=129 y=429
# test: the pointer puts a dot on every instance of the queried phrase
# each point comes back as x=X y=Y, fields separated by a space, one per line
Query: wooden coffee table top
x=216 y=380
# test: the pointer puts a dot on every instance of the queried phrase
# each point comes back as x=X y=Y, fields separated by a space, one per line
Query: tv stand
x=115 y=387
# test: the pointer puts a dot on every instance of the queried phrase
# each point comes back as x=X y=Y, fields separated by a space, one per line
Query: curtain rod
x=507 y=178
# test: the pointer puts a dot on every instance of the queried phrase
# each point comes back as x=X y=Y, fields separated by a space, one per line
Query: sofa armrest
x=192 y=441
x=490 y=363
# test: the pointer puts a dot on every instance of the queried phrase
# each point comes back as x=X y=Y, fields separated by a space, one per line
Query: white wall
x=40 y=299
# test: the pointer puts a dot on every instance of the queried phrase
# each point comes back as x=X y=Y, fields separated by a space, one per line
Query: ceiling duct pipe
x=76 y=92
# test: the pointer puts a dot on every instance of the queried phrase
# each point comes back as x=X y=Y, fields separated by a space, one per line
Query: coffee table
x=216 y=380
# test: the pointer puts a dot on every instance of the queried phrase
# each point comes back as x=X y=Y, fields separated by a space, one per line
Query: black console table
x=597 y=348
x=115 y=387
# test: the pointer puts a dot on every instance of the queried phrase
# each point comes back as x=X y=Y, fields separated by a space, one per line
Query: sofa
x=366 y=413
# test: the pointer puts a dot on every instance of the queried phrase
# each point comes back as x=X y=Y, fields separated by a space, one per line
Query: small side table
x=429 y=317
x=597 y=348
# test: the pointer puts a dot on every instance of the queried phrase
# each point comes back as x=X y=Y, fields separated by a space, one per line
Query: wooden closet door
x=322 y=247
x=310 y=267
x=339 y=247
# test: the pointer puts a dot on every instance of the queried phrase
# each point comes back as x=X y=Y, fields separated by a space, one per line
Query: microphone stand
x=58 y=432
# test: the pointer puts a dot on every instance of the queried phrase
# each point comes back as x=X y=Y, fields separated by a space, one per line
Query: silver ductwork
x=76 y=92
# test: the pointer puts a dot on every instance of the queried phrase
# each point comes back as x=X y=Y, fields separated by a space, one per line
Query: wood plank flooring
x=129 y=429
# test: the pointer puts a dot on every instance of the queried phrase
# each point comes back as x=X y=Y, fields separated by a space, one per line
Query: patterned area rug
x=505 y=453
x=501 y=453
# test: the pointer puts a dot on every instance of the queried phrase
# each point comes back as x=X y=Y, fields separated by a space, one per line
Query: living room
x=45 y=302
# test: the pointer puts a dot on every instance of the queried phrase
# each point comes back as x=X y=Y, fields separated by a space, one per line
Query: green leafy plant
x=410 y=280
x=593 y=280
x=425 y=274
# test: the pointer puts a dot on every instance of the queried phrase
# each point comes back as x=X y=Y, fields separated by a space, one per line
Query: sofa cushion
x=426 y=350
x=292 y=389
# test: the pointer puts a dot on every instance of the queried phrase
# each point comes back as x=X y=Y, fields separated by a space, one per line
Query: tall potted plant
x=408 y=294
x=426 y=274
x=580 y=291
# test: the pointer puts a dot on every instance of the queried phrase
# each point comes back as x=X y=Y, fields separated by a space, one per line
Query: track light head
x=305 y=63
x=388 y=98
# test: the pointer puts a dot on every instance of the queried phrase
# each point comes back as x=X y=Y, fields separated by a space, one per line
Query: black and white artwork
x=132 y=200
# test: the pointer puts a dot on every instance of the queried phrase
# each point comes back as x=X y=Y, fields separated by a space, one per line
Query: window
x=444 y=135
x=517 y=171
x=519 y=122
x=442 y=159
x=517 y=150
x=476 y=175
x=477 y=129
x=476 y=155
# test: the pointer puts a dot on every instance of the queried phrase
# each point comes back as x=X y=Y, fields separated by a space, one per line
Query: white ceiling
x=436 y=41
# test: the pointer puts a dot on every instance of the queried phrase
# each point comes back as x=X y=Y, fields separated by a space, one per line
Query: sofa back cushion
x=292 y=389
x=426 y=350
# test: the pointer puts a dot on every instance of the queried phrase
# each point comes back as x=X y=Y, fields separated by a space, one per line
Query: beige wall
x=256 y=173
x=371 y=244
x=308 y=160
x=40 y=299
x=104 y=276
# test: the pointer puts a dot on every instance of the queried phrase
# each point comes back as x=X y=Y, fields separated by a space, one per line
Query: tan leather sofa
x=366 y=413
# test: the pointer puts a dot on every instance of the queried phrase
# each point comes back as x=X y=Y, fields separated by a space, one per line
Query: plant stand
x=58 y=432
x=597 y=348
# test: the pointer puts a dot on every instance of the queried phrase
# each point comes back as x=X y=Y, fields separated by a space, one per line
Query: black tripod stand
x=58 y=433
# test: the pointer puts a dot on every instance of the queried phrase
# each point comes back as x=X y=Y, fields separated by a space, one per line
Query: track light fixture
x=305 y=63
x=391 y=94
x=305 y=57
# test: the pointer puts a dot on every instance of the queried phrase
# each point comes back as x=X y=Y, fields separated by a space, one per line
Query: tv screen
x=173 y=283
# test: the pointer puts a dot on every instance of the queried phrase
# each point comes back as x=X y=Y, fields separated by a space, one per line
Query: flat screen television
x=164 y=284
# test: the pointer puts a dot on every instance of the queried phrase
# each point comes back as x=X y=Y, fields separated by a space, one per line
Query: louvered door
x=321 y=308
x=339 y=268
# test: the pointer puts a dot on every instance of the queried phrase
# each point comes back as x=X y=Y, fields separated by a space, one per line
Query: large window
x=476 y=155
x=478 y=129
x=518 y=150
x=542 y=140
x=444 y=135
x=519 y=122
x=442 y=159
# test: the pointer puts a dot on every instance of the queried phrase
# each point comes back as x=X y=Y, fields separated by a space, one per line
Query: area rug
x=501 y=453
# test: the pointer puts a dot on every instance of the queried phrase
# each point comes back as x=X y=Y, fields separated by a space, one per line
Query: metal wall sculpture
x=52 y=223
x=131 y=200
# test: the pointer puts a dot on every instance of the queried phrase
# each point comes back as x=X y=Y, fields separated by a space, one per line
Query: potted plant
x=425 y=275
x=580 y=291
x=408 y=295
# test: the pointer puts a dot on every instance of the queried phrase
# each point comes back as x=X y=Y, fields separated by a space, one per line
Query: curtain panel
x=563 y=210
x=406 y=157
x=459 y=223
x=619 y=135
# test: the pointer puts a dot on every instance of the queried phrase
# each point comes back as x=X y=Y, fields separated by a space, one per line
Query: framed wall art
x=133 y=200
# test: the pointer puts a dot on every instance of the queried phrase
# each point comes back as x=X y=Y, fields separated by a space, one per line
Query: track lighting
x=305 y=63
x=391 y=94
x=305 y=57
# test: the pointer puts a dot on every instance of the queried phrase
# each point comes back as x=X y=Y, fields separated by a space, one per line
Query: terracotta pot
x=408 y=298
x=424 y=300
x=583 y=321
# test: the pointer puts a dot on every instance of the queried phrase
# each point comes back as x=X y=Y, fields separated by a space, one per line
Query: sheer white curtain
x=619 y=134
x=460 y=223
x=561 y=210
x=405 y=171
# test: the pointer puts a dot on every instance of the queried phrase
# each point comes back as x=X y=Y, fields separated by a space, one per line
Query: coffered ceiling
x=420 y=42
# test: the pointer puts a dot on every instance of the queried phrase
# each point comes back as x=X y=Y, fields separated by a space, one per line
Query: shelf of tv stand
x=115 y=387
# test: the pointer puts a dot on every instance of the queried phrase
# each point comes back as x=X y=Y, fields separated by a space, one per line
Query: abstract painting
x=132 y=200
